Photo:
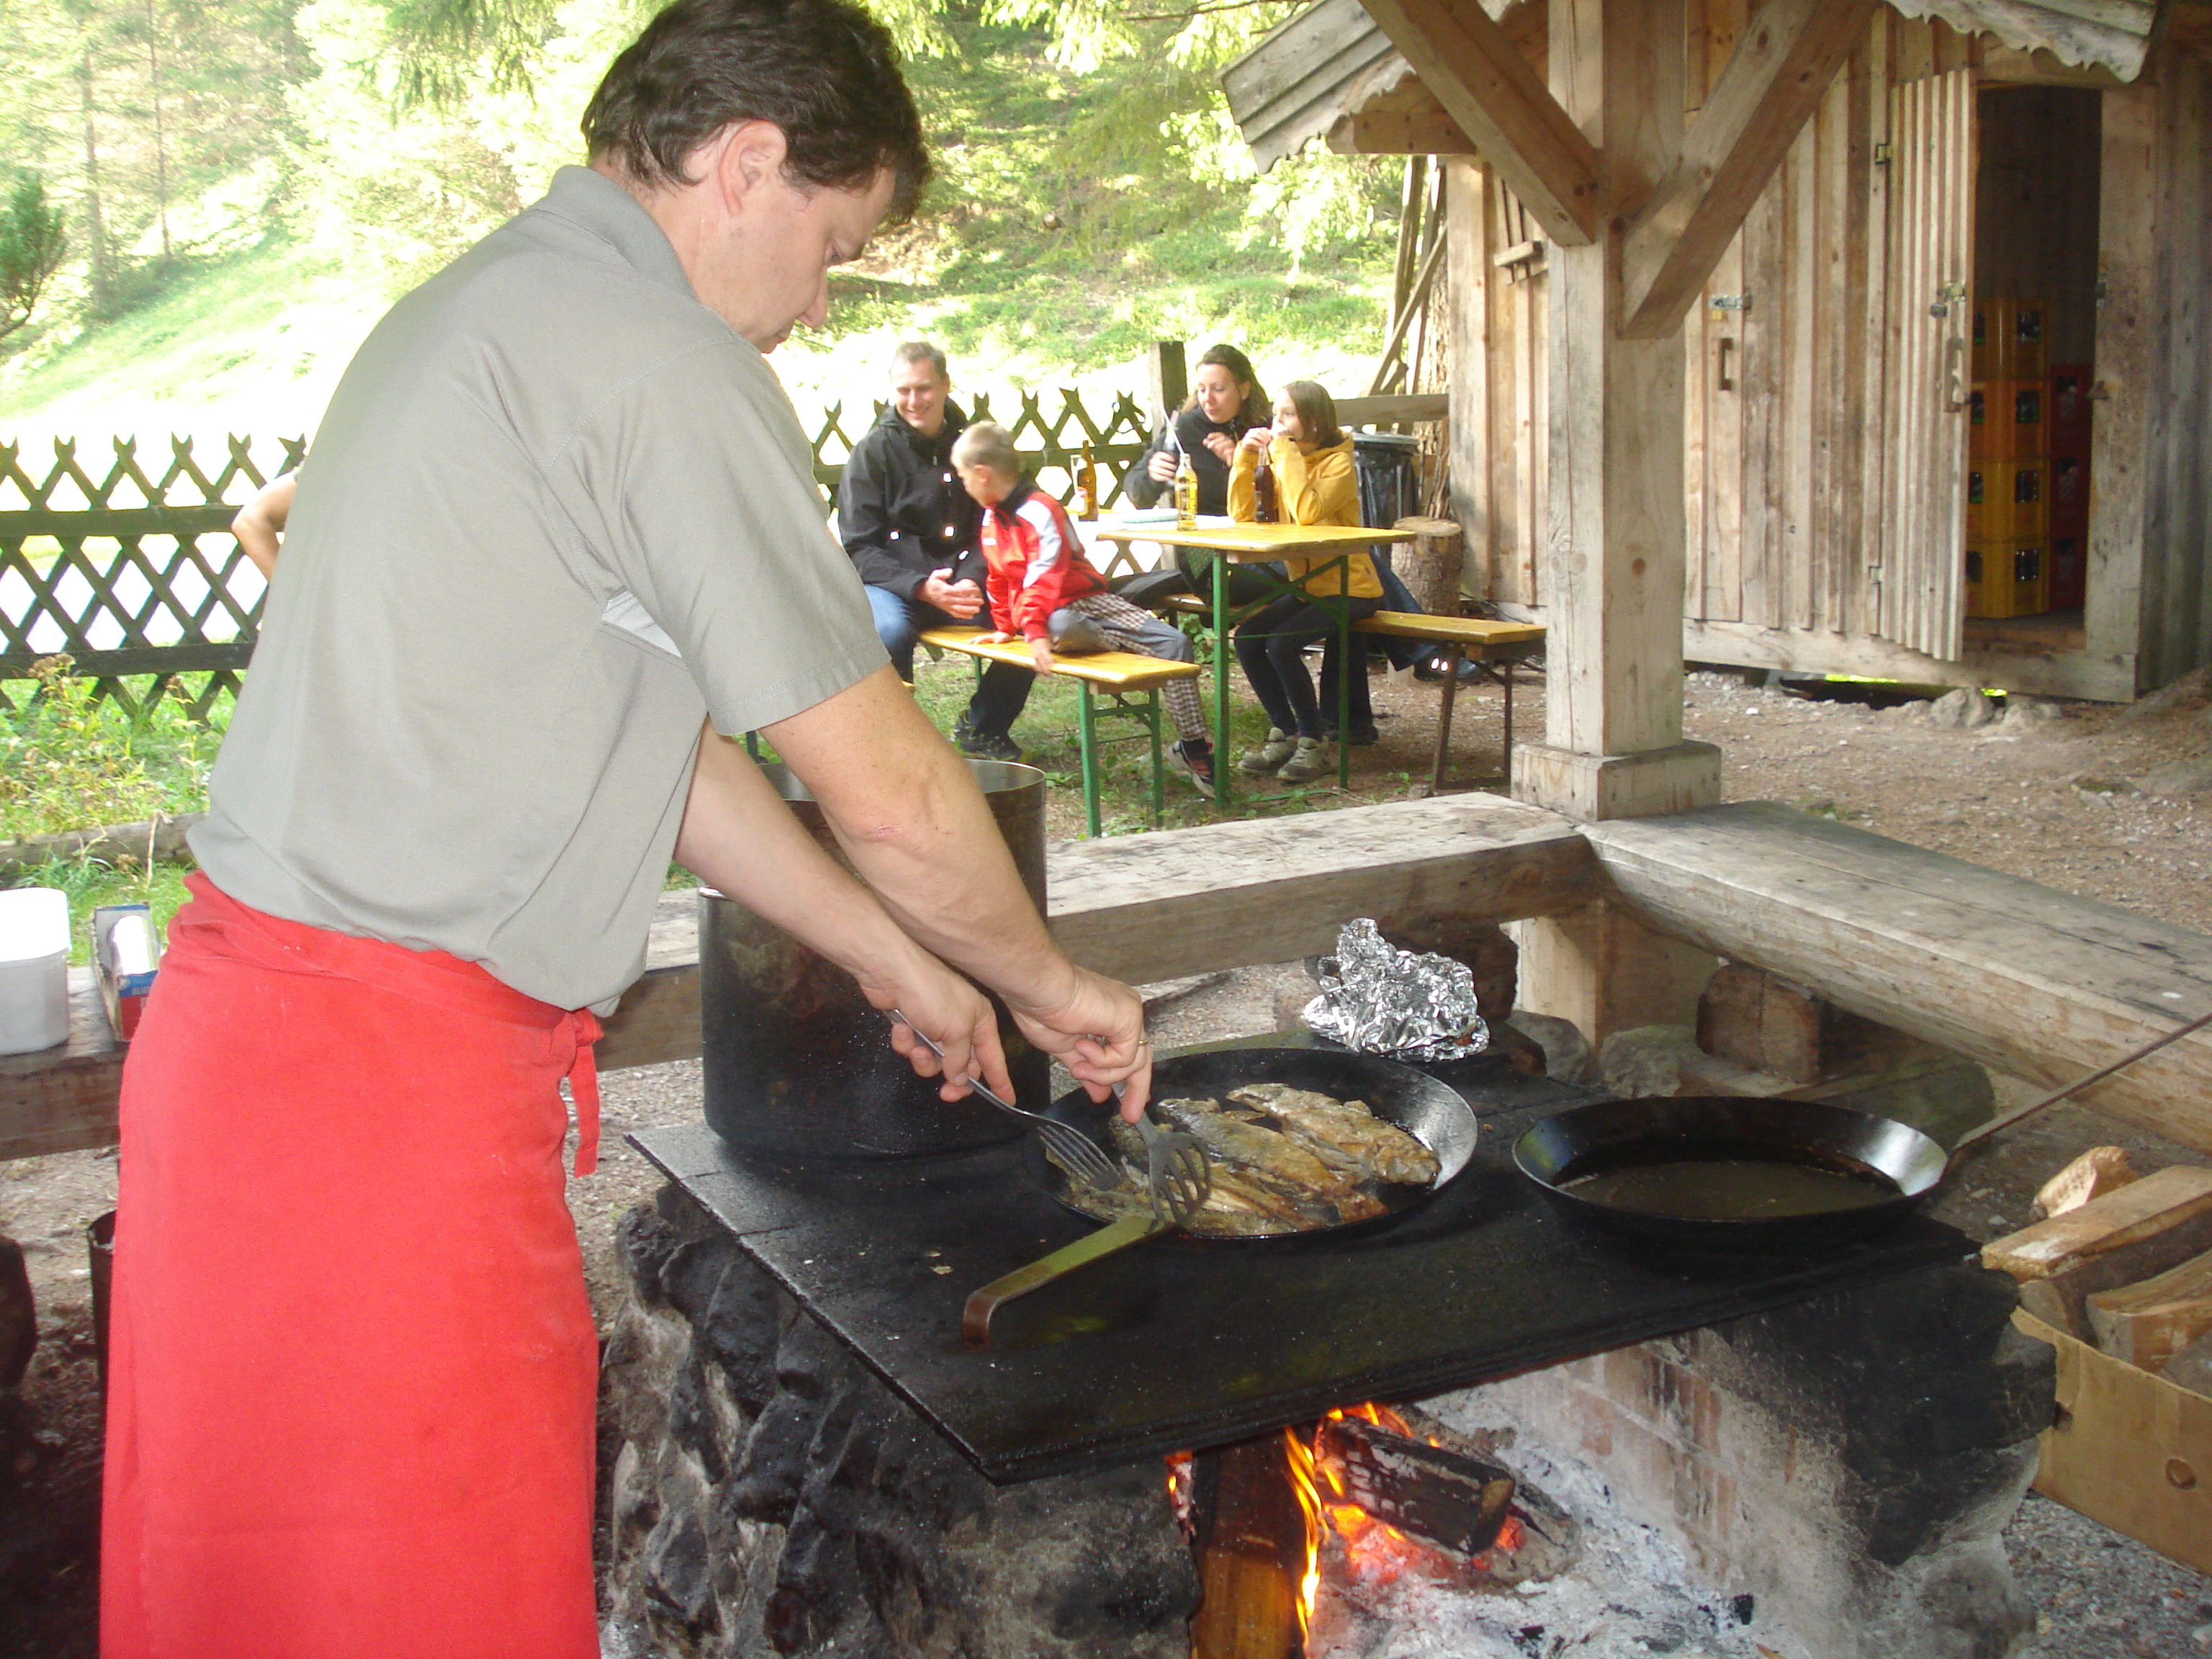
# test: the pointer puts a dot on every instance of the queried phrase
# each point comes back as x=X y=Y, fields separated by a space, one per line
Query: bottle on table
x=1186 y=492
x=1086 y=486
x=1266 y=508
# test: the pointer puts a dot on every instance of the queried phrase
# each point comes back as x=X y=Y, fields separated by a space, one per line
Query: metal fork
x=1066 y=1146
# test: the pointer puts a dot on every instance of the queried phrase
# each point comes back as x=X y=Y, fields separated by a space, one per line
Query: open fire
x=1363 y=1484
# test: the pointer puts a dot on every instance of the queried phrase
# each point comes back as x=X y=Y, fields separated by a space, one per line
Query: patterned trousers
x=1106 y=622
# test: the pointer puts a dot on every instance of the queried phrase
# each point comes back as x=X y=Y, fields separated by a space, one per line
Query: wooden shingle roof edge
x=1331 y=60
x=2110 y=34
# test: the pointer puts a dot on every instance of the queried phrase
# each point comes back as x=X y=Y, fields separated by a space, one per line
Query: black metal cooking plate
x=1167 y=1347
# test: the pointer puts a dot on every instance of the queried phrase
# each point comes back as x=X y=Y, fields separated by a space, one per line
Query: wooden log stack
x=2120 y=1284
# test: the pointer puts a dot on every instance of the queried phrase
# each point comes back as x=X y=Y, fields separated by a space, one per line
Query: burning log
x=1448 y=1499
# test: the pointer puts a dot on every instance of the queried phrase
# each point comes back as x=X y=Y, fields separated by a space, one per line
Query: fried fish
x=1282 y=1160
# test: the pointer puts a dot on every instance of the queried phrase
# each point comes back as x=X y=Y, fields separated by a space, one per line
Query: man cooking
x=911 y=530
x=559 y=529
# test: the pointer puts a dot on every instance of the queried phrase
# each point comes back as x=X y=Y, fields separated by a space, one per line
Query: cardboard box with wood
x=2118 y=1279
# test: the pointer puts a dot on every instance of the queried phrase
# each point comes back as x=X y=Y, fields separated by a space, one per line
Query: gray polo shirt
x=556 y=513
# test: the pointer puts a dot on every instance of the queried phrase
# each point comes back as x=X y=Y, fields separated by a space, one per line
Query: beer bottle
x=1086 y=486
x=1266 y=508
x=1186 y=494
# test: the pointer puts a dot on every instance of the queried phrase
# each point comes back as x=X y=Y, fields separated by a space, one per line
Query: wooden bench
x=1132 y=683
x=1495 y=646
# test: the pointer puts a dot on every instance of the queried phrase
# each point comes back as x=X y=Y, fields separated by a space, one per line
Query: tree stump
x=1430 y=566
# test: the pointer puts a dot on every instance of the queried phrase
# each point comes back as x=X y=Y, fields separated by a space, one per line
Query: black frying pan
x=1425 y=1108
x=1742 y=1171
x=1731 y=1170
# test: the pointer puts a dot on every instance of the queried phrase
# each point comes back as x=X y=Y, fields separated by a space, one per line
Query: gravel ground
x=2064 y=794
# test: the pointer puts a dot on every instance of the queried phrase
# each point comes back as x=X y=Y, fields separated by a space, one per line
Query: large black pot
x=797 y=1062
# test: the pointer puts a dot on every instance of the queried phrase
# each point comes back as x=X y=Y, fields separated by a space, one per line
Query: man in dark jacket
x=911 y=530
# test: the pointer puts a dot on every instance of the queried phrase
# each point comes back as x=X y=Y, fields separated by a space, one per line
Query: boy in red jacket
x=1041 y=589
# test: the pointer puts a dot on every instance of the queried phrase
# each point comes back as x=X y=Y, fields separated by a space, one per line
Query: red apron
x=352 y=1368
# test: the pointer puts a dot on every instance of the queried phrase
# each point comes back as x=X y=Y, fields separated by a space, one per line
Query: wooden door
x=1919 y=532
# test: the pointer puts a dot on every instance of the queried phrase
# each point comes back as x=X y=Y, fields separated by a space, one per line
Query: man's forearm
x=740 y=837
x=907 y=811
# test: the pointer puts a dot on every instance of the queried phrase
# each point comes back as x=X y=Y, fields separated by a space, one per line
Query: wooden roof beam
x=1773 y=82
x=1488 y=88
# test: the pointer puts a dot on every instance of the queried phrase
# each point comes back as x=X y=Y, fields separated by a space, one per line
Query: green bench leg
x=1086 y=739
x=1153 y=724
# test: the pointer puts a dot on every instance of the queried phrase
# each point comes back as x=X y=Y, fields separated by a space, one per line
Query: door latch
x=1731 y=302
x=1947 y=296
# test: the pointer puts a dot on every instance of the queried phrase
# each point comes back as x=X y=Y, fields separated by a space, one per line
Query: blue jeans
x=899 y=622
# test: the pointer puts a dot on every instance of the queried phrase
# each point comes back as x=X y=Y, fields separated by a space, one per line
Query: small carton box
x=2129 y=1448
x=126 y=953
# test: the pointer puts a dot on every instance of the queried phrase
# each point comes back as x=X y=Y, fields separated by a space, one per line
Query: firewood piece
x=2099 y=1171
x=2191 y=1368
x=2175 y=1198
x=1445 y=1497
x=2063 y=1299
x=1251 y=1550
x=2147 y=1324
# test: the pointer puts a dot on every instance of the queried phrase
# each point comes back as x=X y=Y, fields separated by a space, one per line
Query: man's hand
x=962 y=599
x=1040 y=654
x=955 y=1016
x=1097 y=1032
x=1223 y=446
x=1162 y=466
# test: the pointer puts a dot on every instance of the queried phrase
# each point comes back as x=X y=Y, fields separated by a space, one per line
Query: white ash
x=1628 y=1597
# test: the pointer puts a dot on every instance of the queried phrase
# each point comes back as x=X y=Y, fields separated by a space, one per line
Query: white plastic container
x=35 y=946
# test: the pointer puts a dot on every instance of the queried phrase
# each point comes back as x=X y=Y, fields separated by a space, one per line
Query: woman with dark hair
x=1226 y=401
x=1315 y=484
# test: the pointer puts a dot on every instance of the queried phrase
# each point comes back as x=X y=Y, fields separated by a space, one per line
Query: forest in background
x=244 y=187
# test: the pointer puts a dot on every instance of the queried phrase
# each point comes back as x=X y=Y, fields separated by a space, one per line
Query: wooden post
x=1613 y=575
x=1169 y=378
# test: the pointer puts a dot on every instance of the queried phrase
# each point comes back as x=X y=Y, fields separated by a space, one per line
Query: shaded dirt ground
x=2052 y=792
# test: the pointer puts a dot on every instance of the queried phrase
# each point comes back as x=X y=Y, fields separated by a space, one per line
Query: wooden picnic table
x=1258 y=545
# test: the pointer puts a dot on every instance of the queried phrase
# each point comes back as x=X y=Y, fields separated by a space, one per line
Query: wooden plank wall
x=1782 y=459
x=1498 y=418
x=2176 y=513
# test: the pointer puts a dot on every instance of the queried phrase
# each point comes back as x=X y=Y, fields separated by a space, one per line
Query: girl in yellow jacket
x=1315 y=484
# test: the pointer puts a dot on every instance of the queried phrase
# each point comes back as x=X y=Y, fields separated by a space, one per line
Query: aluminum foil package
x=1377 y=999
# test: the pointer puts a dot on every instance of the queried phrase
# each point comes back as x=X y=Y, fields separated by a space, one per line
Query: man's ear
x=749 y=155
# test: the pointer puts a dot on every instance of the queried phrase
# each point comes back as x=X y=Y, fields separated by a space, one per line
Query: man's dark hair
x=823 y=70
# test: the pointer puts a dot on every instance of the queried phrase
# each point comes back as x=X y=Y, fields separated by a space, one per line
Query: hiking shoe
x=983 y=746
x=1195 y=761
x=1279 y=748
x=1362 y=737
x=1306 y=761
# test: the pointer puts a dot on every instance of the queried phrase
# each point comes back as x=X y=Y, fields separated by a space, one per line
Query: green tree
x=32 y=241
